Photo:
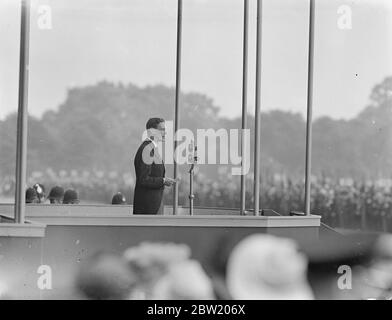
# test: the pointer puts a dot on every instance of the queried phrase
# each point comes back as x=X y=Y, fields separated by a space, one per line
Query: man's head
x=156 y=129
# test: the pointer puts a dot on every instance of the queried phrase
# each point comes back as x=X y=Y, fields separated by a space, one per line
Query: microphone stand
x=191 y=176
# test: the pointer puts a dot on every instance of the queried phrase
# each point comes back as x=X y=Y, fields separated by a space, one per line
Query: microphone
x=195 y=154
x=192 y=153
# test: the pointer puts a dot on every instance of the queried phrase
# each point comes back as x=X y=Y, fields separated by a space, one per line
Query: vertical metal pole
x=256 y=190
x=21 y=147
x=191 y=195
x=308 y=164
x=177 y=102
x=244 y=103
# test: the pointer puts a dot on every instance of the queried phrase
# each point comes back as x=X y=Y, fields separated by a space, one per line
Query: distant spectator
x=265 y=267
x=105 y=276
x=119 y=198
x=71 y=197
x=40 y=189
x=31 y=196
x=56 y=195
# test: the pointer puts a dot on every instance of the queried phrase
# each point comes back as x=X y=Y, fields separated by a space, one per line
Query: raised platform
x=8 y=228
x=109 y=215
x=73 y=232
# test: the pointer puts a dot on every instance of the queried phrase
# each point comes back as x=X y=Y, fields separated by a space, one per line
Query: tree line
x=99 y=127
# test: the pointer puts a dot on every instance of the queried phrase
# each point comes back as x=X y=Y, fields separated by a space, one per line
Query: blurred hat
x=118 y=198
x=56 y=193
x=40 y=189
x=105 y=276
x=70 y=197
x=265 y=267
x=151 y=261
x=31 y=195
x=185 y=280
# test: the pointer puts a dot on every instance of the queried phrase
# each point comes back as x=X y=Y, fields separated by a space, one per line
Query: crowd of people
x=344 y=203
x=255 y=268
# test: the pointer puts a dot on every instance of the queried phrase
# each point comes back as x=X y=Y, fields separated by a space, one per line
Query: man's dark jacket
x=149 y=180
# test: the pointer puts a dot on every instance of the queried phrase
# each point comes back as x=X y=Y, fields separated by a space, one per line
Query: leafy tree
x=100 y=127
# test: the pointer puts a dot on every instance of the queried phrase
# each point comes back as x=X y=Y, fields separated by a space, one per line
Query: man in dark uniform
x=150 y=171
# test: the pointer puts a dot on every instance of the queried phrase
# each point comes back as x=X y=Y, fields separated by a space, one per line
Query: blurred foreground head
x=152 y=261
x=105 y=276
x=264 y=267
x=184 y=281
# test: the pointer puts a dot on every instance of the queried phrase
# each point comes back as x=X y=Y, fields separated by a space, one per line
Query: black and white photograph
x=209 y=151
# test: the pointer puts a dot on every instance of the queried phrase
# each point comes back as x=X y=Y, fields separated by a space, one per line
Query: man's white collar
x=155 y=144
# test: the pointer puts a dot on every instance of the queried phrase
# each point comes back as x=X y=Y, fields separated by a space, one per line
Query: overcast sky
x=134 y=41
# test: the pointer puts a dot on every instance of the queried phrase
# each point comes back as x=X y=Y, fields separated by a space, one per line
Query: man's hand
x=169 y=181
